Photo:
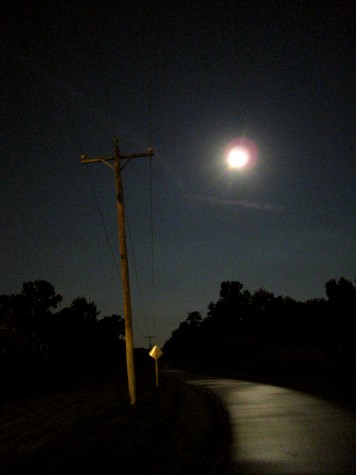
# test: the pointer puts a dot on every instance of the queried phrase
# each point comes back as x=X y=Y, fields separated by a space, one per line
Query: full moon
x=238 y=157
x=241 y=154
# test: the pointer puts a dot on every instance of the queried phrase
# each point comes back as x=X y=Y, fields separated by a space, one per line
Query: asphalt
x=283 y=431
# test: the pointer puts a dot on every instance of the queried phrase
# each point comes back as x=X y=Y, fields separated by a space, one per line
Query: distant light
x=241 y=153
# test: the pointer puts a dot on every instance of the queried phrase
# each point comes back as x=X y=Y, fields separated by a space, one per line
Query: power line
x=150 y=117
x=150 y=30
x=104 y=71
x=64 y=94
x=139 y=290
x=103 y=222
x=152 y=250
x=105 y=75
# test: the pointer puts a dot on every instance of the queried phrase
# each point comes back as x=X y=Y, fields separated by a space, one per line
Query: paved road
x=281 y=431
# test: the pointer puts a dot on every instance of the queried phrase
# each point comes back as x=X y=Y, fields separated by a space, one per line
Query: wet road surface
x=282 y=431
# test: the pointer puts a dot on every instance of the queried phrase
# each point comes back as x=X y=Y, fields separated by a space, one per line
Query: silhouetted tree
x=342 y=301
x=229 y=314
x=75 y=331
x=262 y=312
x=110 y=344
x=25 y=317
x=84 y=310
x=40 y=297
x=76 y=339
x=317 y=321
x=184 y=343
x=264 y=332
x=16 y=339
x=37 y=301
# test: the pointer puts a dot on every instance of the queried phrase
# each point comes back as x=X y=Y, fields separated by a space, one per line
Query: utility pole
x=149 y=337
x=123 y=255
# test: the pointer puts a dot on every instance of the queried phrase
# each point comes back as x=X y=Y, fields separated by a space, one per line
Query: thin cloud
x=238 y=203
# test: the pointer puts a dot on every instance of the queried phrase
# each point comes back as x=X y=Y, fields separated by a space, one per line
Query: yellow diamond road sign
x=156 y=352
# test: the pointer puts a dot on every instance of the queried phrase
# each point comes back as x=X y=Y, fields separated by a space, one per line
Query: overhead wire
x=103 y=222
x=139 y=288
x=150 y=126
x=105 y=76
x=150 y=38
x=152 y=251
x=104 y=70
x=64 y=95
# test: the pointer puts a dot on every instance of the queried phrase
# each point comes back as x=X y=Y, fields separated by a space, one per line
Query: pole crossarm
x=84 y=159
x=128 y=156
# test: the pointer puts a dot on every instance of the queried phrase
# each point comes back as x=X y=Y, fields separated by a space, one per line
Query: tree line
x=242 y=330
x=259 y=331
x=34 y=330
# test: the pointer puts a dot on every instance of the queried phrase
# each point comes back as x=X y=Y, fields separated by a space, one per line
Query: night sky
x=74 y=74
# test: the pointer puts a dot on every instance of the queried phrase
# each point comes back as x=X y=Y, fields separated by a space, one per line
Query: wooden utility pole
x=123 y=256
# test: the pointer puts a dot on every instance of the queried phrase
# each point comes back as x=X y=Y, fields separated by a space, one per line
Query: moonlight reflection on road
x=279 y=430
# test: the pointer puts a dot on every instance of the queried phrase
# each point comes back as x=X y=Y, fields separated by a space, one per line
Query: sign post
x=156 y=353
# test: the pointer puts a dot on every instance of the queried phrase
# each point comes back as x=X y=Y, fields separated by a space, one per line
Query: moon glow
x=241 y=154
x=238 y=157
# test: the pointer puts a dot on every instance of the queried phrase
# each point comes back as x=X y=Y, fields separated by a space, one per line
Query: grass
x=87 y=426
